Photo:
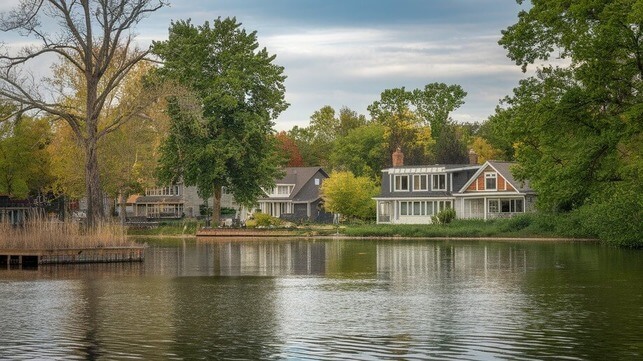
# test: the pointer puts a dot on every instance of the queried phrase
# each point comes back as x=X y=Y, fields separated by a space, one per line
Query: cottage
x=413 y=194
x=14 y=211
x=295 y=196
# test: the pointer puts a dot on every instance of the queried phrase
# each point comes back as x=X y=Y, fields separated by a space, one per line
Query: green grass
x=527 y=226
x=169 y=228
x=524 y=226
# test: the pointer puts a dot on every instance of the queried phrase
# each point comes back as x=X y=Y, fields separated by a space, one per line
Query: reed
x=41 y=233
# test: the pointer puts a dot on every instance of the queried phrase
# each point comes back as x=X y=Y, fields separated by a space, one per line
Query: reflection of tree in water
x=219 y=318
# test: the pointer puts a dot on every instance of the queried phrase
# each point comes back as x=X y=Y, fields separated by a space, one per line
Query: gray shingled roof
x=300 y=176
x=504 y=168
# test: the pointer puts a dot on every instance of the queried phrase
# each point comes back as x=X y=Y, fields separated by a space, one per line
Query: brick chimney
x=398 y=158
x=473 y=157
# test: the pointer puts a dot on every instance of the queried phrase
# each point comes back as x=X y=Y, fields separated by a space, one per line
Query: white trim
x=433 y=188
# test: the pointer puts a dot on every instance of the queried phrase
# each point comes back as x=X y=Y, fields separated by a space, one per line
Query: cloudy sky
x=346 y=52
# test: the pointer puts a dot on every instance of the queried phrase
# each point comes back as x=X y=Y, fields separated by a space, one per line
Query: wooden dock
x=246 y=232
x=35 y=257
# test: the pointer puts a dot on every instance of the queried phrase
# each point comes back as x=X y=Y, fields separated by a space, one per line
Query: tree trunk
x=122 y=196
x=94 y=195
x=216 y=206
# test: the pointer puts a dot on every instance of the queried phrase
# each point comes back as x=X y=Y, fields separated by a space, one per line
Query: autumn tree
x=576 y=128
x=221 y=130
x=349 y=196
x=289 y=150
x=92 y=36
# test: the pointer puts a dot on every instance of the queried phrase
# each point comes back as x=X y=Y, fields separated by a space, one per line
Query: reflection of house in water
x=254 y=258
x=267 y=259
x=443 y=259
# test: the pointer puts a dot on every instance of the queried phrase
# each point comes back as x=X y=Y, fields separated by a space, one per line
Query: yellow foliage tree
x=348 y=195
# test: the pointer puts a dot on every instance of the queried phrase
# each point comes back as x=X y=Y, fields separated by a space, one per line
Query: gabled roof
x=300 y=176
x=504 y=169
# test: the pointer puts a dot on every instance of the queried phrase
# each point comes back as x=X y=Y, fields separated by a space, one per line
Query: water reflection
x=332 y=300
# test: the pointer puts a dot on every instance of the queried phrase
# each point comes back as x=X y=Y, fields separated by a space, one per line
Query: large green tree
x=363 y=151
x=92 y=36
x=576 y=128
x=317 y=141
x=221 y=128
x=24 y=161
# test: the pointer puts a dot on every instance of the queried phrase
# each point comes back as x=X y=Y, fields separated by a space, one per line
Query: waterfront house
x=171 y=202
x=413 y=194
x=14 y=211
x=296 y=196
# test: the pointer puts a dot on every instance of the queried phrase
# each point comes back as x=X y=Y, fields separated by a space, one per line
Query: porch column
x=485 y=208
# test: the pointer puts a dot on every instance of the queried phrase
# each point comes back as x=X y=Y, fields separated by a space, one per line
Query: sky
x=346 y=52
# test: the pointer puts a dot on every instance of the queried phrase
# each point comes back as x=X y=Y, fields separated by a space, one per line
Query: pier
x=35 y=257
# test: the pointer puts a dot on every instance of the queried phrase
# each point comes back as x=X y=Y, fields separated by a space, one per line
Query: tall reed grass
x=39 y=232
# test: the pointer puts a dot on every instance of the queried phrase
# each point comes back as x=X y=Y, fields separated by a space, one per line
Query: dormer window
x=439 y=182
x=401 y=183
x=490 y=183
x=284 y=190
x=420 y=182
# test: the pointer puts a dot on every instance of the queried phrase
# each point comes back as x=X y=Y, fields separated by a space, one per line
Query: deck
x=245 y=232
x=34 y=257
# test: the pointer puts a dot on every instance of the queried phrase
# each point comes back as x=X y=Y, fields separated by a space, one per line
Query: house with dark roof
x=413 y=194
x=14 y=211
x=296 y=196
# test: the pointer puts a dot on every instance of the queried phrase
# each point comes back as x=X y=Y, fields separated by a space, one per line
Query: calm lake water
x=332 y=300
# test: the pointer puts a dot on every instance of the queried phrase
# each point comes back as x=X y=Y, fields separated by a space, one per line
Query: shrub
x=264 y=220
x=445 y=216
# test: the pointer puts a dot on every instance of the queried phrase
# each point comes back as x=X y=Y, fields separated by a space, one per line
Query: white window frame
x=434 y=186
x=395 y=183
x=417 y=182
x=489 y=176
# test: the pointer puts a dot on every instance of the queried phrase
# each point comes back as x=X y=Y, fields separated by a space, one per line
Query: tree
x=24 y=161
x=348 y=195
x=93 y=36
x=221 y=128
x=317 y=141
x=576 y=129
x=435 y=102
x=289 y=150
x=449 y=148
x=363 y=151
x=404 y=128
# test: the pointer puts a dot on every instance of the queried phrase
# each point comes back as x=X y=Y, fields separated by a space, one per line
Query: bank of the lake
x=523 y=227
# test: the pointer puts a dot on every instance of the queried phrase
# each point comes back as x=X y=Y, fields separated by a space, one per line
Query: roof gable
x=300 y=176
x=504 y=176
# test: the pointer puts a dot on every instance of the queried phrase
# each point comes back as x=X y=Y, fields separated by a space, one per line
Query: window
x=506 y=206
x=284 y=190
x=420 y=182
x=403 y=208
x=401 y=183
x=439 y=182
x=422 y=208
x=490 y=181
x=317 y=181
x=493 y=206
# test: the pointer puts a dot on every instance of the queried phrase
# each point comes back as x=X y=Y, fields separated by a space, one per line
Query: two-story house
x=413 y=194
x=295 y=196
x=175 y=201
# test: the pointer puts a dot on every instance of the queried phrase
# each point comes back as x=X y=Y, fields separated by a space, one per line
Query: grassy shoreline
x=528 y=226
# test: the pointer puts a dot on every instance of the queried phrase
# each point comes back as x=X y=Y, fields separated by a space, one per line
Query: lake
x=332 y=300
